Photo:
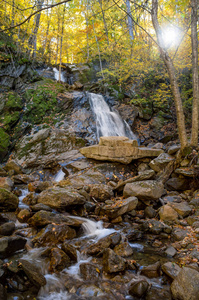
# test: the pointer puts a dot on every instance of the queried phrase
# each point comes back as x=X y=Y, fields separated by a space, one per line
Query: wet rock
x=6 y=183
x=90 y=291
x=27 y=232
x=23 y=178
x=195 y=199
x=144 y=190
x=3 y=293
x=59 y=260
x=89 y=271
x=179 y=234
x=8 y=201
x=183 y=208
x=138 y=287
x=40 y=206
x=112 y=262
x=145 y=175
x=24 y=215
x=9 y=245
x=156 y=227
x=30 y=199
x=7 y=228
x=149 y=212
x=173 y=149
x=13 y=166
x=53 y=234
x=187 y=172
x=120 y=207
x=43 y=218
x=70 y=250
x=123 y=249
x=101 y=192
x=108 y=241
x=61 y=198
x=186 y=285
x=171 y=269
x=171 y=251
x=157 y=293
x=32 y=272
x=177 y=184
x=151 y=271
x=160 y=162
x=168 y=214
x=39 y=186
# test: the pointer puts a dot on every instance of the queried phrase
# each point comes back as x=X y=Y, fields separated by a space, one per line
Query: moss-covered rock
x=4 y=143
x=8 y=201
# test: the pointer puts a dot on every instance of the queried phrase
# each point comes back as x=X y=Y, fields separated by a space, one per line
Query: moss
x=13 y=102
x=10 y=119
x=4 y=140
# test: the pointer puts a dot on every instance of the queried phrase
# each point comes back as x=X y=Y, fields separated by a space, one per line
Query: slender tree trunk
x=61 y=43
x=195 y=104
x=104 y=20
x=130 y=19
x=13 y=13
x=173 y=80
x=33 y=38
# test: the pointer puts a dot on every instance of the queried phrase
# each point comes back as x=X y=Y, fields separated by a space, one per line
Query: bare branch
x=36 y=12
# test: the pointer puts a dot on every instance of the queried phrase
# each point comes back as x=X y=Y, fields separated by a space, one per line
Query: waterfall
x=108 y=123
x=56 y=74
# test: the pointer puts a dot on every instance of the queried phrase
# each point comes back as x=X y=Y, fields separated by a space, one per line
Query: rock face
x=118 y=149
x=186 y=285
x=144 y=190
x=61 y=198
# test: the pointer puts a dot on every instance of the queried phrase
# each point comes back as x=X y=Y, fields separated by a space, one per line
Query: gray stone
x=159 y=163
x=177 y=184
x=173 y=149
x=186 y=285
x=138 y=287
x=7 y=228
x=144 y=190
x=101 y=192
x=171 y=251
x=179 y=234
x=171 y=269
x=183 y=208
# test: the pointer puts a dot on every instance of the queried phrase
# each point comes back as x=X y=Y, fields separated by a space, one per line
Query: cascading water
x=56 y=74
x=108 y=123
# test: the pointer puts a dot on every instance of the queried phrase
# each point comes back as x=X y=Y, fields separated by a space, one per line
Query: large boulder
x=160 y=162
x=186 y=285
x=61 y=198
x=6 y=183
x=32 y=272
x=8 y=201
x=120 y=207
x=144 y=190
x=9 y=245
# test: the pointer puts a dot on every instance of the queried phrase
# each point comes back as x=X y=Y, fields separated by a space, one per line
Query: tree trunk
x=195 y=80
x=105 y=25
x=130 y=19
x=61 y=43
x=173 y=81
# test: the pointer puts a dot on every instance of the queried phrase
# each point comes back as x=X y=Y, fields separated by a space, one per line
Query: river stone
x=158 y=293
x=160 y=162
x=7 y=228
x=101 y=192
x=108 y=241
x=144 y=190
x=61 y=198
x=171 y=269
x=89 y=271
x=168 y=214
x=54 y=234
x=149 y=212
x=183 y=208
x=179 y=234
x=43 y=218
x=112 y=262
x=195 y=200
x=9 y=245
x=171 y=251
x=186 y=285
x=123 y=249
x=138 y=287
x=39 y=186
x=59 y=260
x=39 y=206
x=24 y=178
x=6 y=183
x=120 y=207
x=8 y=201
x=32 y=272
x=151 y=271
x=177 y=184
x=90 y=292
x=24 y=215
x=173 y=149
x=13 y=166
x=70 y=250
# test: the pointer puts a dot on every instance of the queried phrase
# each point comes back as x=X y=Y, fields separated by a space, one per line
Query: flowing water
x=56 y=74
x=108 y=122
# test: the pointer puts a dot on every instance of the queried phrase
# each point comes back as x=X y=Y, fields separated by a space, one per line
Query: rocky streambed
x=100 y=230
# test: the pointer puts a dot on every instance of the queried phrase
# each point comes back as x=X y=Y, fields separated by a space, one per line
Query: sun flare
x=171 y=36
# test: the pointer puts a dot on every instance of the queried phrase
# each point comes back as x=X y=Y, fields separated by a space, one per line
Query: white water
x=108 y=123
x=60 y=176
x=23 y=195
x=56 y=74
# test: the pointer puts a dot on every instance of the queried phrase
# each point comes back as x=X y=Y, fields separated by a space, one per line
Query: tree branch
x=36 y=12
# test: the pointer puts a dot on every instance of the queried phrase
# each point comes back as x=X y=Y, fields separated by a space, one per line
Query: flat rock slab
x=118 y=149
